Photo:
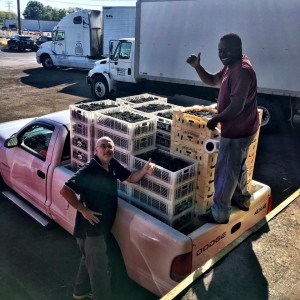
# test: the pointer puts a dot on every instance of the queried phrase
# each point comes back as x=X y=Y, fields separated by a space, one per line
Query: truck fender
x=101 y=86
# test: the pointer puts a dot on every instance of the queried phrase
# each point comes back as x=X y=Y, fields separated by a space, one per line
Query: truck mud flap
x=25 y=207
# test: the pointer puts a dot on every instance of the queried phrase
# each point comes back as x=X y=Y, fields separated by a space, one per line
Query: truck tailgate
x=209 y=239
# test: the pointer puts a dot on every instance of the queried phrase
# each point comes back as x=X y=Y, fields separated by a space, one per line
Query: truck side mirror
x=11 y=142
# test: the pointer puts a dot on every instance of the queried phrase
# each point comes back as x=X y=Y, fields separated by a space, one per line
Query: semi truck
x=82 y=37
x=34 y=165
x=155 y=60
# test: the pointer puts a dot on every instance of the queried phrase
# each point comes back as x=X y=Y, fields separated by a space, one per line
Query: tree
x=34 y=10
x=7 y=15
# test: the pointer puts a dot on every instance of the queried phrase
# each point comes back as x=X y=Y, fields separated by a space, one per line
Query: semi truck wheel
x=47 y=62
x=271 y=115
x=100 y=88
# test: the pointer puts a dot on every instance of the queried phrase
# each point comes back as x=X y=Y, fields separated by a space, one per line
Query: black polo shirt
x=98 y=191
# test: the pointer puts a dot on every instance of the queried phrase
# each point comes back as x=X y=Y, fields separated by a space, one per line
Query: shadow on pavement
x=243 y=280
x=72 y=81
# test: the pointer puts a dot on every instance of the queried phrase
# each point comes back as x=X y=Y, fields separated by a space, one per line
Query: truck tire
x=271 y=115
x=47 y=62
x=99 y=88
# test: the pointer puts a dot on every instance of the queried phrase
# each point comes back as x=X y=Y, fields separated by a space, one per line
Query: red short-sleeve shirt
x=239 y=80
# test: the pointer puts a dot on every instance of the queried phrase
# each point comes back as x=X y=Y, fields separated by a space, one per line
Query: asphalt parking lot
x=39 y=263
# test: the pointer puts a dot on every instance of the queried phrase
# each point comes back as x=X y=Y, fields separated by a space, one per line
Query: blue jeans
x=231 y=176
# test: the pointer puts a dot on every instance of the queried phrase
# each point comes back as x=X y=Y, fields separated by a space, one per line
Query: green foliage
x=7 y=15
x=36 y=10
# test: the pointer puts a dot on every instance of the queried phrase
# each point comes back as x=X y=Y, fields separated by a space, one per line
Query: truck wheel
x=100 y=88
x=271 y=115
x=47 y=62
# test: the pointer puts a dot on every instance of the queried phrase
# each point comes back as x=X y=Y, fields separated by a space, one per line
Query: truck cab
x=77 y=41
x=119 y=67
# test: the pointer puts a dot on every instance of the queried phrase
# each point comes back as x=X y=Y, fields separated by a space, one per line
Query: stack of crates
x=189 y=133
x=131 y=137
x=82 y=130
x=168 y=194
x=164 y=114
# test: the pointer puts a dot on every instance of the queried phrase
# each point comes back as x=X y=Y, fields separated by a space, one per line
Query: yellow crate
x=200 y=131
x=197 y=137
x=194 y=152
x=202 y=205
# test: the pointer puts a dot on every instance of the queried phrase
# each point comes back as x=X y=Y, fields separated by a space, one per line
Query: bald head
x=104 y=140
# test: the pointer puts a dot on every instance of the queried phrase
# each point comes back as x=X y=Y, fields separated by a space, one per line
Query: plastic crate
x=124 y=128
x=159 y=209
x=184 y=121
x=142 y=98
x=168 y=212
x=82 y=143
x=124 y=190
x=133 y=146
x=194 y=152
x=164 y=123
x=85 y=130
x=80 y=155
x=154 y=107
x=163 y=140
x=196 y=137
x=164 y=176
x=184 y=116
x=76 y=165
x=203 y=204
x=123 y=157
x=167 y=192
x=84 y=112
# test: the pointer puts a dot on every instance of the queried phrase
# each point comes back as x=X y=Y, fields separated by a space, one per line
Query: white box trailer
x=269 y=31
x=30 y=25
x=168 y=31
x=79 y=39
x=118 y=22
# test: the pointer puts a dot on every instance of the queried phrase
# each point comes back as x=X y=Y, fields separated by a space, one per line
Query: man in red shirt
x=238 y=116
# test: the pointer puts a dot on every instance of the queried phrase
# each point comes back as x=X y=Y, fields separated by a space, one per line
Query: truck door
x=121 y=68
x=59 y=43
x=30 y=161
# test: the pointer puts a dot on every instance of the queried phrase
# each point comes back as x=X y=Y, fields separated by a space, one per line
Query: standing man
x=238 y=115
x=96 y=184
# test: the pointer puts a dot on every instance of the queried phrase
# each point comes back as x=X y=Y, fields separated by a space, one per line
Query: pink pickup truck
x=35 y=163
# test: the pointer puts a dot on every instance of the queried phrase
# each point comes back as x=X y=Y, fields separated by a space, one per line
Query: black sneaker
x=209 y=218
x=87 y=295
x=241 y=206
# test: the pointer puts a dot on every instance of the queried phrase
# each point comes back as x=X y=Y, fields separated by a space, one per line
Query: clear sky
x=12 y=5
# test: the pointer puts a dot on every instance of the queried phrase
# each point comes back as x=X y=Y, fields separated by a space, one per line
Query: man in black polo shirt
x=96 y=184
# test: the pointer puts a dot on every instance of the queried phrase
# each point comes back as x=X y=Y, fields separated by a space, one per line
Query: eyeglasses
x=108 y=146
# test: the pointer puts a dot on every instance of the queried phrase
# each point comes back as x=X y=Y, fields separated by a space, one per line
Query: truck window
x=66 y=155
x=122 y=51
x=60 y=35
x=36 y=139
x=125 y=50
x=77 y=20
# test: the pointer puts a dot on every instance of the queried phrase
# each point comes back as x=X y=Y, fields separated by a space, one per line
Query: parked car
x=21 y=42
x=42 y=39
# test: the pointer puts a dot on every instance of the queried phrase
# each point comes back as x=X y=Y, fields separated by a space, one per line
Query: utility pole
x=19 y=17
